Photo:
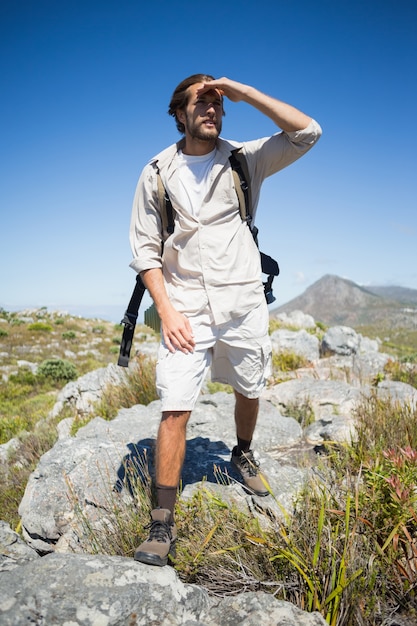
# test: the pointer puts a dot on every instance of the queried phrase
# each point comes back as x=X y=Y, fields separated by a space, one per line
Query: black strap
x=165 y=206
x=238 y=164
x=129 y=322
x=269 y=266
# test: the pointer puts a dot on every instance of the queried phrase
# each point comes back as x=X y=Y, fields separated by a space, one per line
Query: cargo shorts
x=238 y=353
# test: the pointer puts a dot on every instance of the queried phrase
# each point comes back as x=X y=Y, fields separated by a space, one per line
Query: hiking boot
x=248 y=468
x=161 y=541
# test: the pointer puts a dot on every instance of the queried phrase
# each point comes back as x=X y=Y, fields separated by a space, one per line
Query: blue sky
x=85 y=90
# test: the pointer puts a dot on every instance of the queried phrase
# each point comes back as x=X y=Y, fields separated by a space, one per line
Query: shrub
x=403 y=372
x=69 y=334
x=24 y=376
x=303 y=412
x=288 y=361
x=40 y=326
x=138 y=388
x=3 y=333
x=17 y=415
x=57 y=370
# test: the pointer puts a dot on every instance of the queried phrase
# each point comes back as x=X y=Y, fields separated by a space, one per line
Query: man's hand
x=225 y=87
x=285 y=116
x=177 y=331
x=176 y=328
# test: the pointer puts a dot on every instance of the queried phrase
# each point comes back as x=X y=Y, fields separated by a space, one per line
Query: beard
x=199 y=131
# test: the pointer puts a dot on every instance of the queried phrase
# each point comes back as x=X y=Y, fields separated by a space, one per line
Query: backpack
x=269 y=265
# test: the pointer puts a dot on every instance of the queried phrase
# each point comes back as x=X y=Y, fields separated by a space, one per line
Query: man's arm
x=176 y=328
x=285 y=116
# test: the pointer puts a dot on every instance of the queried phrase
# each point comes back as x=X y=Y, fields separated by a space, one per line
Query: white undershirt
x=194 y=178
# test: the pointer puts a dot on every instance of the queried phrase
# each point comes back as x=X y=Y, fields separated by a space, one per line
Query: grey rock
x=33 y=367
x=398 y=392
x=368 y=345
x=80 y=590
x=13 y=550
x=340 y=340
x=253 y=609
x=7 y=448
x=64 y=427
x=355 y=369
x=296 y=319
x=102 y=591
x=147 y=348
x=324 y=397
x=299 y=342
x=367 y=365
x=334 y=428
x=87 y=390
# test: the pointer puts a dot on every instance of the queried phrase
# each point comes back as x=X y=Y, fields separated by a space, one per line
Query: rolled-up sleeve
x=271 y=154
x=145 y=224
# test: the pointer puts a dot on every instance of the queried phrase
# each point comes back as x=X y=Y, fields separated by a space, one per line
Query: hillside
x=333 y=300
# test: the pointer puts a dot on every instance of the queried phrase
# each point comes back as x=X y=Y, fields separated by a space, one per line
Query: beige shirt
x=211 y=260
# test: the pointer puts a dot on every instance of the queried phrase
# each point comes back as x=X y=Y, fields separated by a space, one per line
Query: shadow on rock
x=204 y=459
x=135 y=466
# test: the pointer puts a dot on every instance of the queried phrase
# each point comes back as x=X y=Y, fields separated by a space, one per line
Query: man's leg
x=246 y=415
x=170 y=453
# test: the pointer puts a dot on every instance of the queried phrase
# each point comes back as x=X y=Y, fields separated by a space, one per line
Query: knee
x=175 y=420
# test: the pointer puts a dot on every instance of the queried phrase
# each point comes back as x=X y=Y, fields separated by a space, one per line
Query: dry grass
x=15 y=474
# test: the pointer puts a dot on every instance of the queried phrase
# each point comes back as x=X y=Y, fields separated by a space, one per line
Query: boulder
x=80 y=472
x=324 y=397
x=340 y=340
x=296 y=319
x=299 y=342
x=81 y=590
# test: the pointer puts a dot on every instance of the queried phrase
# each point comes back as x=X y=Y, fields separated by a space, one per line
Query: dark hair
x=179 y=98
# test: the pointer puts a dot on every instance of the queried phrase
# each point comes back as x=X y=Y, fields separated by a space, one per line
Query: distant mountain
x=334 y=300
x=401 y=294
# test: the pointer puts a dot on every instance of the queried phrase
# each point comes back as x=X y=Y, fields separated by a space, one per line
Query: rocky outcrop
x=76 y=478
x=80 y=472
x=81 y=590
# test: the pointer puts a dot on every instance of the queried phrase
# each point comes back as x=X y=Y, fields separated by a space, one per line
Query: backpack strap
x=165 y=206
x=241 y=179
x=129 y=322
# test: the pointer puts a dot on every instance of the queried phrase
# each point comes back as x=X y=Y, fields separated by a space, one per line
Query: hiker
x=205 y=280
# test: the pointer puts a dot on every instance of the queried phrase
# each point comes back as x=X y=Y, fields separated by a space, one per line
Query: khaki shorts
x=238 y=352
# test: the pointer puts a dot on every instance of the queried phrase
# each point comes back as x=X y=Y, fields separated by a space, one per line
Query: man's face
x=202 y=117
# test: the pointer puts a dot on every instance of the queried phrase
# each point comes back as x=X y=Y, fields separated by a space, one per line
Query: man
x=205 y=280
